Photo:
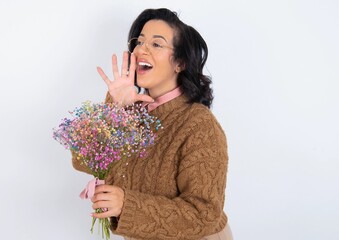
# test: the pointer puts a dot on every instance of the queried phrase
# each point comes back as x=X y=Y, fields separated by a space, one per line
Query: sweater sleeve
x=201 y=181
x=108 y=98
x=77 y=164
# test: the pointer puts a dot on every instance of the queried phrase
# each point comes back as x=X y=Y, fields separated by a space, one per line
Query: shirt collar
x=163 y=99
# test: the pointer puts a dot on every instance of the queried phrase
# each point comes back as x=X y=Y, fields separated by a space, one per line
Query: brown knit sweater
x=178 y=190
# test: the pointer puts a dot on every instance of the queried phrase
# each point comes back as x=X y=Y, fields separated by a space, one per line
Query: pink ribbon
x=89 y=190
x=163 y=99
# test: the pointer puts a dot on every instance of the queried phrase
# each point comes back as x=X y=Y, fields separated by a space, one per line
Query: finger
x=104 y=189
x=101 y=205
x=115 y=66
x=132 y=67
x=105 y=214
x=100 y=197
x=103 y=75
x=124 y=67
x=144 y=98
x=102 y=215
x=106 y=207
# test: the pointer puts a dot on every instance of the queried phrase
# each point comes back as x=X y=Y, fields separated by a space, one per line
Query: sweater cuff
x=124 y=223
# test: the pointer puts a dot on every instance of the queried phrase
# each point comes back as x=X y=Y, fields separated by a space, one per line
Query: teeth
x=144 y=64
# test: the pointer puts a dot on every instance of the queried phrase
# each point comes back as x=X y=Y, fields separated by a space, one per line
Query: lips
x=143 y=66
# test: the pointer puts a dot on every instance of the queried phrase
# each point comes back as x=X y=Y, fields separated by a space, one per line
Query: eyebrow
x=154 y=36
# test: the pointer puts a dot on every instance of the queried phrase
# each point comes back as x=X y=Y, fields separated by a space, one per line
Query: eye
x=139 y=42
x=156 y=45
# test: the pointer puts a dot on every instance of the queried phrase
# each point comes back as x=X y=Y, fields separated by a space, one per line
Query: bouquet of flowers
x=100 y=134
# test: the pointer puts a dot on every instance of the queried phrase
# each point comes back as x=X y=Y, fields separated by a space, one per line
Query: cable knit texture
x=178 y=190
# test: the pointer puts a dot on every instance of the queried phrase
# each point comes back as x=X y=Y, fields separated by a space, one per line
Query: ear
x=179 y=67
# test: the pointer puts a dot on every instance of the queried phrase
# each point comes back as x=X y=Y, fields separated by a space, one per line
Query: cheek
x=166 y=64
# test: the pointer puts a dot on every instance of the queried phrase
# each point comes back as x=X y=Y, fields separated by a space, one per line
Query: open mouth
x=144 y=66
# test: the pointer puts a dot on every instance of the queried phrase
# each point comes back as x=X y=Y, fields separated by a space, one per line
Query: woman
x=177 y=191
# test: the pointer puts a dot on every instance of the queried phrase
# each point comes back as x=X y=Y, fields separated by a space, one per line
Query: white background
x=275 y=71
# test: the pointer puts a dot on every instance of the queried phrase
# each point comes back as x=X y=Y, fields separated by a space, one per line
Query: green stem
x=103 y=224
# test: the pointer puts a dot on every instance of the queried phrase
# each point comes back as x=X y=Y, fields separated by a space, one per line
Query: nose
x=142 y=49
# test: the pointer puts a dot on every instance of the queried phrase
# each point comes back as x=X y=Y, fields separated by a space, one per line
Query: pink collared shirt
x=163 y=99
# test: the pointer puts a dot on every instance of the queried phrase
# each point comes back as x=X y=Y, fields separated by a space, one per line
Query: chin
x=142 y=83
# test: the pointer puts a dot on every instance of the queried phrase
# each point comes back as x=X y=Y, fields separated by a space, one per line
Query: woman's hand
x=108 y=197
x=122 y=88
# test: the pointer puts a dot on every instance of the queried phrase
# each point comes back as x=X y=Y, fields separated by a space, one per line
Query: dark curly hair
x=190 y=50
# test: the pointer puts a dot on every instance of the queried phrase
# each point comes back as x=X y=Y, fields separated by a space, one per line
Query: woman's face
x=156 y=70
